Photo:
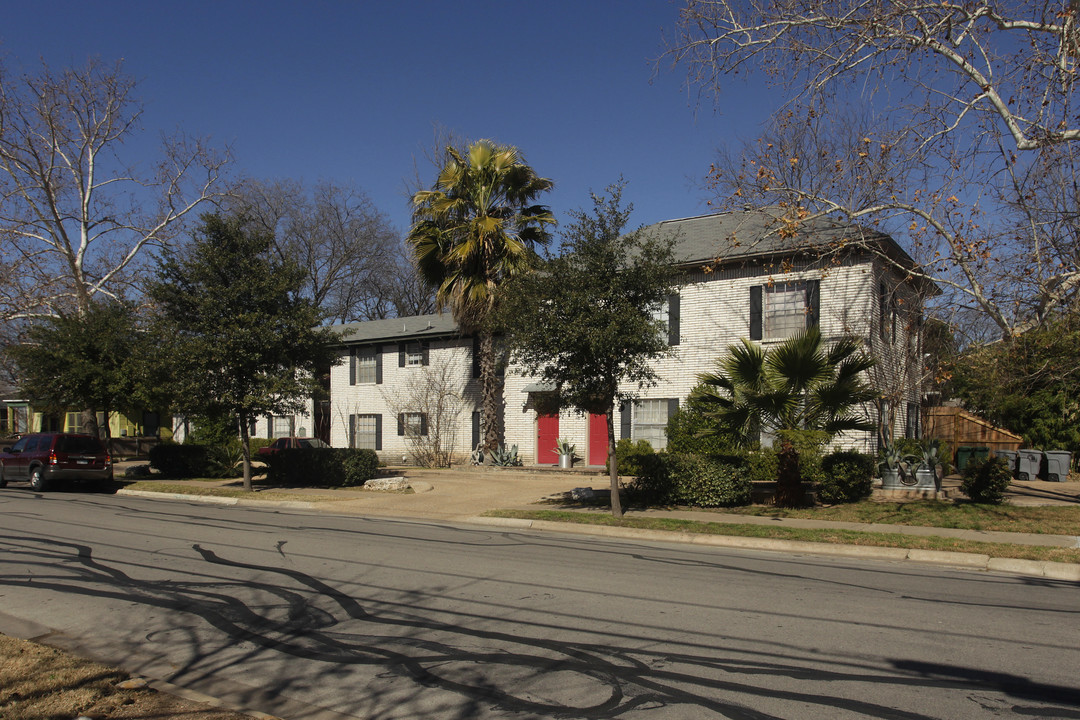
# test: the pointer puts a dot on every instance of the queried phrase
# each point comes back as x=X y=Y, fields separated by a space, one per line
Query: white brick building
x=744 y=277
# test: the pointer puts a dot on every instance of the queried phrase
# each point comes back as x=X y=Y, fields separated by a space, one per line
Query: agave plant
x=563 y=447
x=930 y=456
x=505 y=457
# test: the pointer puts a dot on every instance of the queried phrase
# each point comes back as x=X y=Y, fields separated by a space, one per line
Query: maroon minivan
x=44 y=459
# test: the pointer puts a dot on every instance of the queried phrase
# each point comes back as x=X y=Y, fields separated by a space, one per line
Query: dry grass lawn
x=42 y=683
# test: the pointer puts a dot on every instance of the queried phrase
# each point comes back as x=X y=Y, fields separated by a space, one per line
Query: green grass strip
x=1041 y=519
x=843 y=537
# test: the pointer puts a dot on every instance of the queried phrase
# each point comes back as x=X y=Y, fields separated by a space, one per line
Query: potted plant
x=895 y=467
x=929 y=462
x=566 y=453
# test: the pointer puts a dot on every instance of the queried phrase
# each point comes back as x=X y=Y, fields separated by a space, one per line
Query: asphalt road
x=318 y=616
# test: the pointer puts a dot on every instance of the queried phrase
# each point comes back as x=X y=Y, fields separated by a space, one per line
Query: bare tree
x=429 y=405
x=978 y=96
x=75 y=218
x=354 y=260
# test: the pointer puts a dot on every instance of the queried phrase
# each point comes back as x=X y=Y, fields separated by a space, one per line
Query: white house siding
x=297 y=425
x=714 y=313
x=386 y=399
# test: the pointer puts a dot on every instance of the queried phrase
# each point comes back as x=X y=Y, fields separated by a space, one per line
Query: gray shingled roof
x=411 y=328
x=754 y=233
x=724 y=236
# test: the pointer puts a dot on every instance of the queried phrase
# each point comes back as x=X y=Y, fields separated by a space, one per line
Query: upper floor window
x=784 y=310
x=780 y=310
x=365 y=365
x=667 y=313
x=413 y=353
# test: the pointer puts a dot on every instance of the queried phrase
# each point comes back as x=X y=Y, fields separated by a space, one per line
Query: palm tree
x=478 y=226
x=799 y=385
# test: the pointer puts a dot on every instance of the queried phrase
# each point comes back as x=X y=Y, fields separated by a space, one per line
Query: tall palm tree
x=478 y=226
x=798 y=385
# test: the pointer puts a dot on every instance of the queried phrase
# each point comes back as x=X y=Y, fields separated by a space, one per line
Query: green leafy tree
x=242 y=342
x=586 y=321
x=1028 y=383
x=86 y=361
x=475 y=229
x=794 y=389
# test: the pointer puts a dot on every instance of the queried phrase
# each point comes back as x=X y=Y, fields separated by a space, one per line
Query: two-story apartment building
x=746 y=274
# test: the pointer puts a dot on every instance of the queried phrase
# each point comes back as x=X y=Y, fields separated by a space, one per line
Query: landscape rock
x=387 y=484
x=583 y=493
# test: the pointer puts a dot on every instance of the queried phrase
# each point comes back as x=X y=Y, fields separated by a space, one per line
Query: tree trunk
x=789 y=492
x=613 y=464
x=88 y=423
x=490 y=400
x=245 y=448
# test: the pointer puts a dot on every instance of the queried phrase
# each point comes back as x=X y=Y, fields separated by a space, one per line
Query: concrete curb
x=1069 y=572
x=970 y=561
x=208 y=499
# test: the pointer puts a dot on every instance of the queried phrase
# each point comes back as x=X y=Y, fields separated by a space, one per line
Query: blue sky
x=352 y=91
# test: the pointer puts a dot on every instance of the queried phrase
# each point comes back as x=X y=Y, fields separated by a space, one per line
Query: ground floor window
x=650 y=421
x=365 y=432
x=412 y=424
x=281 y=426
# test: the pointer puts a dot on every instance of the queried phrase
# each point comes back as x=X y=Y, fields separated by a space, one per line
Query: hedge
x=321 y=467
x=179 y=461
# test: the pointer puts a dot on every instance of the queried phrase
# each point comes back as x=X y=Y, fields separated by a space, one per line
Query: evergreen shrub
x=634 y=458
x=179 y=461
x=321 y=467
x=985 y=481
x=847 y=477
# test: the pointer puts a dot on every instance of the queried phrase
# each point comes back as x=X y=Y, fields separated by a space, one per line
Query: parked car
x=43 y=459
x=287 y=443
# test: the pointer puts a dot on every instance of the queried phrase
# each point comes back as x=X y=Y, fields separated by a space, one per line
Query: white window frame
x=366 y=364
x=278 y=423
x=783 y=311
x=650 y=421
x=414 y=354
x=413 y=423
x=365 y=438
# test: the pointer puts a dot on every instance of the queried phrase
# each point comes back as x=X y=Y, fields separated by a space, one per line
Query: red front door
x=598 y=445
x=547 y=435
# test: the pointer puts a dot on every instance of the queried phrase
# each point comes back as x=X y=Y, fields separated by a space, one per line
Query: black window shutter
x=352 y=366
x=475 y=428
x=813 y=303
x=424 y=351
x=401 y=355
x=673 y=319
x=352 y=431
x=401 y=424
x=624 y=420
x=475 y=359
x=755 y=312
x=378 y=365
x=423 y=424
x=378 y=432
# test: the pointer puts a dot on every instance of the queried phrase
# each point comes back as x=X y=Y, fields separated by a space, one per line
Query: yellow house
x=18 y=417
